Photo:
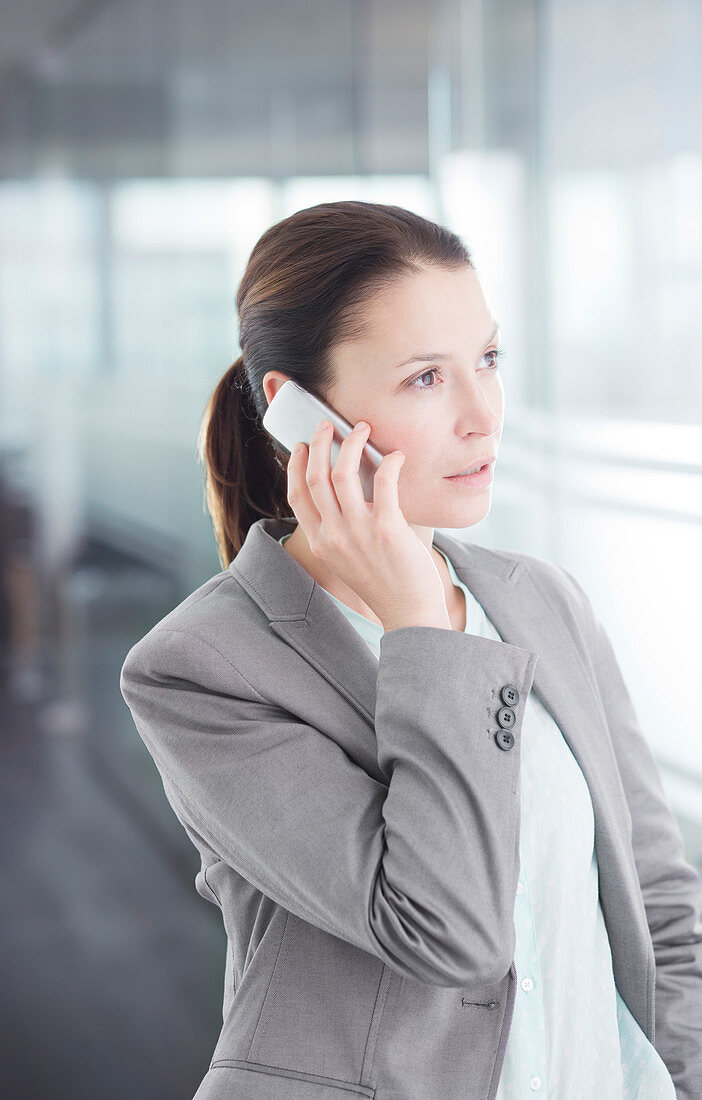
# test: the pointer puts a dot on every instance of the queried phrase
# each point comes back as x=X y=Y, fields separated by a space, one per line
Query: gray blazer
x=358 y=824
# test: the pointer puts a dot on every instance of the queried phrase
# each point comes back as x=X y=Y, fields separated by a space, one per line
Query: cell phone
x=293 y=416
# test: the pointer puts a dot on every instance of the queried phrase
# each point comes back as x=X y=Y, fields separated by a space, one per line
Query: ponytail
x=244 y=475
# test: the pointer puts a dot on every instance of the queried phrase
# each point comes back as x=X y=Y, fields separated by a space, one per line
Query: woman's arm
x=421 y=871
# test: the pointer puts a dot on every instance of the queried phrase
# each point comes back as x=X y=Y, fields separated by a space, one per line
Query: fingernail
x=323 y=424
x=360 y=426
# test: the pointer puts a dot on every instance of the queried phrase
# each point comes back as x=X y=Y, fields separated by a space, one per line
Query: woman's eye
x=415 y=384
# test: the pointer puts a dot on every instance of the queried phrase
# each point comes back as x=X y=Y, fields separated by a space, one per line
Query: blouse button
x=535 y=1083
x=527 y=984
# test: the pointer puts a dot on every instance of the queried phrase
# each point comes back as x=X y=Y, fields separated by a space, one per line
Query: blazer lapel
x=301 y=613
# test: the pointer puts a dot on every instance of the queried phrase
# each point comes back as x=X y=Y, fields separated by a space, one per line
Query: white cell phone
x=293 y=416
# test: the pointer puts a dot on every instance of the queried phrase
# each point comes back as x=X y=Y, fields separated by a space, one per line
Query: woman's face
x=444 y=413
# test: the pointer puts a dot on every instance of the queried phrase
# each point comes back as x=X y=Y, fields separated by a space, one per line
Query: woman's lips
x=481 y=477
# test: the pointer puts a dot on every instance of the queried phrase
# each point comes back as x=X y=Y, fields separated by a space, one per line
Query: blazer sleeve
x=420 y=871
x=670 y=885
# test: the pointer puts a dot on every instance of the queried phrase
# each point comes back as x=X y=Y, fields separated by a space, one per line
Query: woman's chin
x=456 y=514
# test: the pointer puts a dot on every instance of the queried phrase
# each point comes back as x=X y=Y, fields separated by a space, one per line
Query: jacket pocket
x=231 y=1079
x=321 y=1009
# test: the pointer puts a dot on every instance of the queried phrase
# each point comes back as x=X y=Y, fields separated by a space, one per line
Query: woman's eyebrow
x=429 y=356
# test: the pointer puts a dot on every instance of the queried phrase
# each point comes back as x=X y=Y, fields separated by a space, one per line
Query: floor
x=112 y=963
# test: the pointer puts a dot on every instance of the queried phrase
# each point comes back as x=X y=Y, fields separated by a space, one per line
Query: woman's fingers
x=322 y=498
x=347 y=483
x=299 y=497
x=317 y=476
x=311 y=494
x=386 y=497
x=344 y=475
x=370 y=546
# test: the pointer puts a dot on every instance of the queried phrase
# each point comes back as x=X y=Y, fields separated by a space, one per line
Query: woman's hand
x=370 y=546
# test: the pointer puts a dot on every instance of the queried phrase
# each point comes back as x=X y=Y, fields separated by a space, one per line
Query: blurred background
x=145 y=145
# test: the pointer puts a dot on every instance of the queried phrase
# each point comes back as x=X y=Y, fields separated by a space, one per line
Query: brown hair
x=303 y=292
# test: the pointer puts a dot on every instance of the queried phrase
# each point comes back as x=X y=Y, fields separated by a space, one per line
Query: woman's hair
x=307 y=281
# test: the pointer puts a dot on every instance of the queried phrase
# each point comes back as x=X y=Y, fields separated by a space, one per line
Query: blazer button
x=506 y=717
x=509 y=695
x=504 y=739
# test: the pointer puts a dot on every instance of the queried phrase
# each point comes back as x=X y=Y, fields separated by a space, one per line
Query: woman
x=446 y=866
